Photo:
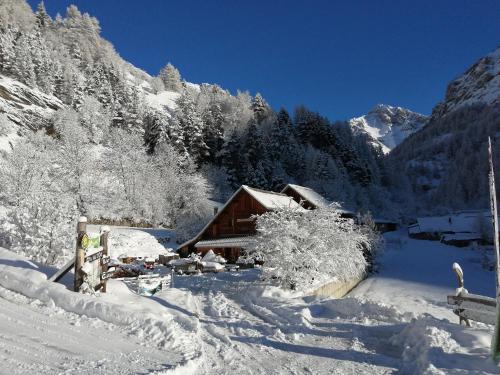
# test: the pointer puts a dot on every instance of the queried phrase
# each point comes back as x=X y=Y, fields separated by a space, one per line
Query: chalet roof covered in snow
x=315 y=198
x=227 y=242
x=309 y=195
x=271 y=200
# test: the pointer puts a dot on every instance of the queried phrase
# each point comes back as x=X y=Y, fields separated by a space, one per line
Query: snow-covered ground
x=395 y=321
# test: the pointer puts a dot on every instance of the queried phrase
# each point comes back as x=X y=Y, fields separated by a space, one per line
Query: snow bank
x=210 y=256
x=359 y=310
x=130 y=242
x=433 y=346
x=146 y=319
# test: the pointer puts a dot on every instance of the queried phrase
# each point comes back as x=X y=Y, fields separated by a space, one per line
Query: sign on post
x=91 y=260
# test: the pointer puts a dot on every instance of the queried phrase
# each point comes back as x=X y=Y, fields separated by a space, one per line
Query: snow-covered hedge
x=300 y=249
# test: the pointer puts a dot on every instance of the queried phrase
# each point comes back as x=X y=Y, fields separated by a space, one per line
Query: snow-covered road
x=226 y=323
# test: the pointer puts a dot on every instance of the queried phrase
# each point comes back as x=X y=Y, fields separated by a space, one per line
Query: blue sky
x=336 y=57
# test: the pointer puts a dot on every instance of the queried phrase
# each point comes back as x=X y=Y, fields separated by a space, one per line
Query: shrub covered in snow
x=303 y=248
x=40 y=213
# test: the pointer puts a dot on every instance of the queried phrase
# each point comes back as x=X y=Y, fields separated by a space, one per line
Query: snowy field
x=394 y=322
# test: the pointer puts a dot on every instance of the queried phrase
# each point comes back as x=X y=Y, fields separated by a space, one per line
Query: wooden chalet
x=310 y=199
x=231 y=229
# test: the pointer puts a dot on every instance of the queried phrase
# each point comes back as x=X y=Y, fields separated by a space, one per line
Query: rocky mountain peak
x=388 y=126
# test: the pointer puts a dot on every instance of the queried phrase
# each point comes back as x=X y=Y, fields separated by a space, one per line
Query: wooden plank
x=94 y=256
x=478 y=316
x=63 y=271
x=472 y=298
x=473 y=304
x=81 y=230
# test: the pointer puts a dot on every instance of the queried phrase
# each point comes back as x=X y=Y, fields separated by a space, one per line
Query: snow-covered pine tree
x=191 y=124
x=232 y=160
x=260 y=108
x=155 y=129
x=281 y=132
x=213 y=132
x=23 y=68
x=98 y=85
x=94 y=118
x=171 y=78
x=43 y=20
x=7 y=52
x=256 y=156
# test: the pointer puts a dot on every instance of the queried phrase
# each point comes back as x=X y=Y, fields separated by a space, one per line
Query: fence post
x=103 y=242
x=81 y=244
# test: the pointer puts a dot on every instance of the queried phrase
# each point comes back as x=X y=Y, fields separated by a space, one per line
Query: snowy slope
x=479 y=84
x=394 y=322
x=25 y=108
x=388 y=126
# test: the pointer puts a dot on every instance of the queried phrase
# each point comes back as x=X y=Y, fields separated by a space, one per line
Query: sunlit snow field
x=395 y=321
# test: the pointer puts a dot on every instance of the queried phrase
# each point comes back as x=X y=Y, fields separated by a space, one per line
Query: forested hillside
x=445 y=165
x=85 y=132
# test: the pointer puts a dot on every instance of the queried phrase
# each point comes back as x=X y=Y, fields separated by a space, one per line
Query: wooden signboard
x=91 y=260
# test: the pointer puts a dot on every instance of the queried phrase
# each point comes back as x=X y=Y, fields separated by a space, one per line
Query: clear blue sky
x=337 y=57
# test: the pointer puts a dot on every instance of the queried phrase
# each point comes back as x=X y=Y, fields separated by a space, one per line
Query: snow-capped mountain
x=479 y=84
x=447 y=161
x=388 y=126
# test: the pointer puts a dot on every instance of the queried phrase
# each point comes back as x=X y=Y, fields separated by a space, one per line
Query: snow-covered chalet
x=232 y=227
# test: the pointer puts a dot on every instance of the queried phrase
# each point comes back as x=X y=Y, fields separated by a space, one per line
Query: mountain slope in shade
x=446 y=163
x=480 y=84
x=388 y=126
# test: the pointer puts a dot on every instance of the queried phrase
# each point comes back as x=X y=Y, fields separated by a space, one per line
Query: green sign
x=95 y=242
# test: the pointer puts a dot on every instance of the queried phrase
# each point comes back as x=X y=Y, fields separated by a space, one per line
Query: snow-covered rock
x=21 y=107
x=479 y=84
x=388 y=126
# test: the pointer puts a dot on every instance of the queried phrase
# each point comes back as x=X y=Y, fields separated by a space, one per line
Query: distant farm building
x=231 y=229
x=458 y=229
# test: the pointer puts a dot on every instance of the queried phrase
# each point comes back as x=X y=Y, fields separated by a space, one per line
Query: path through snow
x=394 y=322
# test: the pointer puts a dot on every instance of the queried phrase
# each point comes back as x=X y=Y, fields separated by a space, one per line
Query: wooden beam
x=474 y=307
x=103 y=242
x=478 y=316
x=63 y=271
x=473 y=302
x=81 y=229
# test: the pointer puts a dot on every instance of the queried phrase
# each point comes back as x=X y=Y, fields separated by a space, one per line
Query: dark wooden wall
x=234 y=220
